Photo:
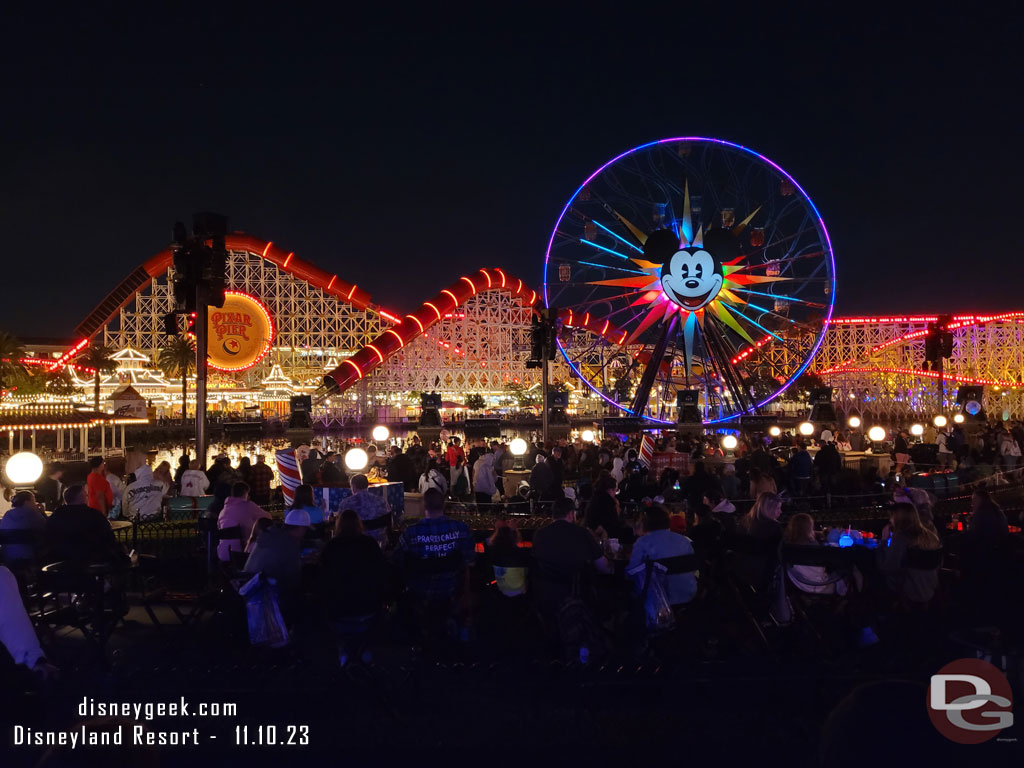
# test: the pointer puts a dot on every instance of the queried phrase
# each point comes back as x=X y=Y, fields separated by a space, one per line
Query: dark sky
x=403 y=150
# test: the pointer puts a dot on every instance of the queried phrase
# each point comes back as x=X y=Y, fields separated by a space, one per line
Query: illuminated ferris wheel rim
x=820 y=336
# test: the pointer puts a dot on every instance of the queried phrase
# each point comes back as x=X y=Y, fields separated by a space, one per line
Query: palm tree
x=178 y=359
x=98 y=357
x=11 y=352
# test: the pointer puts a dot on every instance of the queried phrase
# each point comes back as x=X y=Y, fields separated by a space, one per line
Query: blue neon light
x=796 y=185
x=621 y=239
x=592 y=244
x=612 y=266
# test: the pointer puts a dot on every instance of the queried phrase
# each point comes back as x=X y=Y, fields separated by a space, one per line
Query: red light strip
x=359 y=371
x=471 y=284
x=935 y=375
x=487 y=276
x=502 y=277
x=351 y=293
x=389 y=316
x=332 y=282
x=267 y=249
x=417 y=321
x=41 y=361
x=453 y=297
x=438 y=311
x=288 y=258
x=401 y=343
x=370 y=346
x=69 y=354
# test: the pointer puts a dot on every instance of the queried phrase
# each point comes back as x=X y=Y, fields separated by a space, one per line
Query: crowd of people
x=621 y=553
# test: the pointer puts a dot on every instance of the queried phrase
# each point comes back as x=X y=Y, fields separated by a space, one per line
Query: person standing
x=143 y=498
x=194 y=481
x=945 y=450
x=260 y=478
x=901 y=450
x=100 y=494
x=485 y=479
x=50 y=487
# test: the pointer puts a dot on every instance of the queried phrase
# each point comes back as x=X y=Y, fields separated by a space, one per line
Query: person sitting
x=508 y=560
x=304 y=501
x=237 y=511
x=24 y=515
x=659 y=542
x=194 y=481
x=717 y=503
x=563 y=550
x=354 y=571
x=162 y=474
x=278 y=552
x=903 y=533
x=808 y=578
x=79 y=533
x=762 y=520
x=16 y=632
x=372 y=509
x=432 y=538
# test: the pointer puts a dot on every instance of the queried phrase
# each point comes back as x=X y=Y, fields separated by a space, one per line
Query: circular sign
x=970 y=701
x=240 y=332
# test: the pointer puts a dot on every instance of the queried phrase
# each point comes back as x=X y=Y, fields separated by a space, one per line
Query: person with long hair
x=304 y=500
x=763 y=518
x=799 y=532
x=905 y=532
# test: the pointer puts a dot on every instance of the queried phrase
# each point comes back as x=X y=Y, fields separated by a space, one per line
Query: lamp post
x=517 y=448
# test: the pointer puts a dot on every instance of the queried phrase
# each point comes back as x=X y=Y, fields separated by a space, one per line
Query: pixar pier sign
x=241 y=332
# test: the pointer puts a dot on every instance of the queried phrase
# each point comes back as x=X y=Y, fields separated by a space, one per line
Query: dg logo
x=970 y=701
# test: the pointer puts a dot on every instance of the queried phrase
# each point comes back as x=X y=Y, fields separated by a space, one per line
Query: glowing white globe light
x=380 y=433
x=876 y=434
x=356 y=459
x=517 y=446
x=729 y=442
x=24 y=468
x=940 y=421
x=854 y=422
x=774 y=431
x=917 y=430
x=587 y=435
x=959 y=418
x=806 y=429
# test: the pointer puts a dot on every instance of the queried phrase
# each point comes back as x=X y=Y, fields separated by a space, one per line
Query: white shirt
x=826 y=436
x=143 y=498
x=194 y=482
x=16 y=633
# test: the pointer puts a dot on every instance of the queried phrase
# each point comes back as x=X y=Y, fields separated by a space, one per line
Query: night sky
x=403 y=150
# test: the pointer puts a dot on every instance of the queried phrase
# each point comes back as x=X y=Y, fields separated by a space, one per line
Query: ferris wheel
x=677 y=267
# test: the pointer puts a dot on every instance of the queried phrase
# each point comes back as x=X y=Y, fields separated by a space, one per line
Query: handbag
x=658 y=615
x=263 y=612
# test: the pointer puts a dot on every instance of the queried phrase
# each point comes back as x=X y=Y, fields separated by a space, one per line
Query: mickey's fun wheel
x=690 y=273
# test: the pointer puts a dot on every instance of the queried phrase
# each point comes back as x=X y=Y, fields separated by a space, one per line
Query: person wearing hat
x=277 y=553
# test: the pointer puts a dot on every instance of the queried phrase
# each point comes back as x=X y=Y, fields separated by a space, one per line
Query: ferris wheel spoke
x=610 y=266
x=618 y=237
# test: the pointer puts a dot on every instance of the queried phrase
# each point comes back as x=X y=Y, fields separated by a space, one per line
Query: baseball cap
x=297 y=517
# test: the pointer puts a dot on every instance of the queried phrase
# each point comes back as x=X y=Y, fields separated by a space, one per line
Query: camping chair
x=838 y=564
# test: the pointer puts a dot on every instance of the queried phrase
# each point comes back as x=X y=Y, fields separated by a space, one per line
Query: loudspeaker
x=301 y=412
x=688 y=406
x=557 y=403
x=822 y=409
x=430 y=405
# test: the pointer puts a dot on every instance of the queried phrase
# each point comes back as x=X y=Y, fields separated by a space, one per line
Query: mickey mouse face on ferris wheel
x=691 y=278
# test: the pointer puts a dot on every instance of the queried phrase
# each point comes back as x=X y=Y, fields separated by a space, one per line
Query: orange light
x=428 y=304
x=370 y=346
x=519 y=287
x=533 y=298
x=569 y=321
x=401 y=343
x=487 y=276
x=605 y=329
x=351 y=293
x=502 y=277
x=267 y=249
x=389 y=316
x=359 y=371
x=287 y=259
x=332 y=282
x=453 y=297
x=417 y=321
x=472 y=285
